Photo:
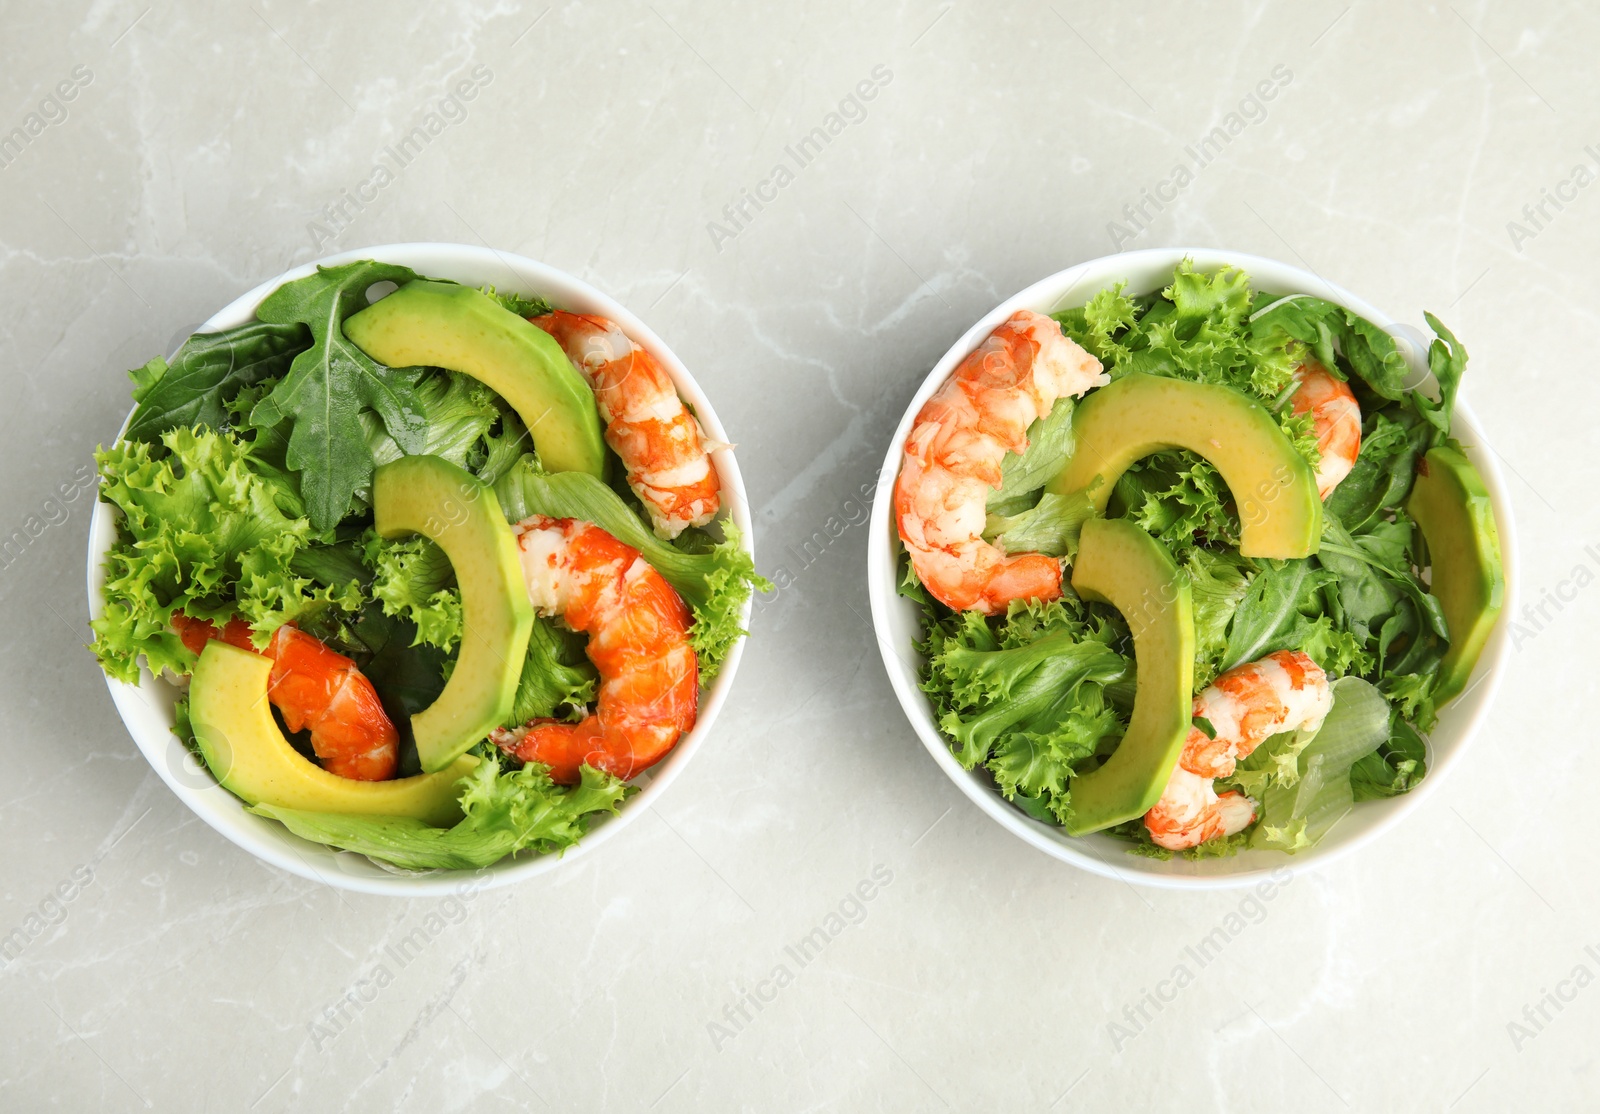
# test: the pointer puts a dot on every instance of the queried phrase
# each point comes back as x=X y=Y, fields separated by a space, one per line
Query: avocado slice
x=1280 y=513
x=429 y=496
x=441 y=324
x=243 y=747
x=1451 y=505
x=1120 y=564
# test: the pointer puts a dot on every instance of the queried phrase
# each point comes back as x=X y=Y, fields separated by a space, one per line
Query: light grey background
x=195 y=162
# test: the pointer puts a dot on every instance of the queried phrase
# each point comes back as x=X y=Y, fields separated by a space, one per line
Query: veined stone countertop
x=810 y=202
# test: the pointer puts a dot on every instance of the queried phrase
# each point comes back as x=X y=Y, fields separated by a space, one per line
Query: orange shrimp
x=953 y=458
x=315 y=688
x=1337 y=422
x=638 y=631
x=1284 y=691
x=665 y=452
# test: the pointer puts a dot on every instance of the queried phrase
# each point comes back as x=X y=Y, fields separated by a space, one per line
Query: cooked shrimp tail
x=1284 y=691
x=954 y=453
x=661 y=445
x=318 y=690
x=1336 y=418
x=638 y=630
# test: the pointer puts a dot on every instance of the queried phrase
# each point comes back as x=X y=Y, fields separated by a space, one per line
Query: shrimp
x=314 y=687
x=1337 y=422
x=953 y=458
x=638 y=631
x=1284 y=691
x=665 y=452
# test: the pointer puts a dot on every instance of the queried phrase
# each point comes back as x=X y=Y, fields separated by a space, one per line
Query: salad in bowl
x=1187 y=564
x=418 y=568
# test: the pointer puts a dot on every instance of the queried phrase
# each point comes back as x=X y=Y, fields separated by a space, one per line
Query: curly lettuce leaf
x=506 y=812
x=1179 y=499
x=201 y=531
x=715 y=584
x=458 y=411
x=1218 y=582
x=518 y=304
x=413 y=579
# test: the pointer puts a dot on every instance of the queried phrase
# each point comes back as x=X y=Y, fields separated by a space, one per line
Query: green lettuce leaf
x=1297 y=812
x=1050 y=526
x=556 y=677
x=506 y=812
x=204 y=533
x=458 y=411
x=321 y=398
x=1021 y=474
x=413 y=580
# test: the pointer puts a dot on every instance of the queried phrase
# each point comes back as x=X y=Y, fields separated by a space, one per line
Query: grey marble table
x=1425 y=156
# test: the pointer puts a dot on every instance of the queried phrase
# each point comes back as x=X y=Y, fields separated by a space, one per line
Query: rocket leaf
x=331 y=383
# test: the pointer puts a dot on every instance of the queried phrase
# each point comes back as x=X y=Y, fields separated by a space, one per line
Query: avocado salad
x=323 y=519
x=1254 y=510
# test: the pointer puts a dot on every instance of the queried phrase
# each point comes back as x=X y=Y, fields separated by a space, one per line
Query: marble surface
x=207 y=147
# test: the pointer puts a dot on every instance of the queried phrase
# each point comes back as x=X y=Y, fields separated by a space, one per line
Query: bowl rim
x=1097 y=854
x=270 y=841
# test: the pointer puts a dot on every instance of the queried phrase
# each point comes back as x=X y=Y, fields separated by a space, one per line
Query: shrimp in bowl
x=1203 y=597
x=953 y=460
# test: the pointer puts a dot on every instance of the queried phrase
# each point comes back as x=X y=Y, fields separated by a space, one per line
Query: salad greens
x=327 y=388
x=242 y=489
x=1044 y=691
x=506 y=812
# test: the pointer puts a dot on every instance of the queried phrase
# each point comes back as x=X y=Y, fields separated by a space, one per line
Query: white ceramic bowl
x=146 y=708
x=895 y=618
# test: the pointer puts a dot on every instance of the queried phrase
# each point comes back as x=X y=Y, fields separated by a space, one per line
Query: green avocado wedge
x=1120 y=564
x=1280 y=513
x=1451 y=506
x=429 y=496
x=440 y=324
x=244 y=748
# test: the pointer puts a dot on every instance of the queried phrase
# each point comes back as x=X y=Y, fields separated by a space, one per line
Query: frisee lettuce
x=505 y=812
x=413 y=579
x=1359 y=607
x=200 y=531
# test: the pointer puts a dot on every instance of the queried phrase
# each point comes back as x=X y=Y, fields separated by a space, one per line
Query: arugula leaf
x=1273 y=610
x=206 y=374
x=1447 y=359
x=1319 y=325
x=506 y=812
x=1384 y=470
x=328 y=385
